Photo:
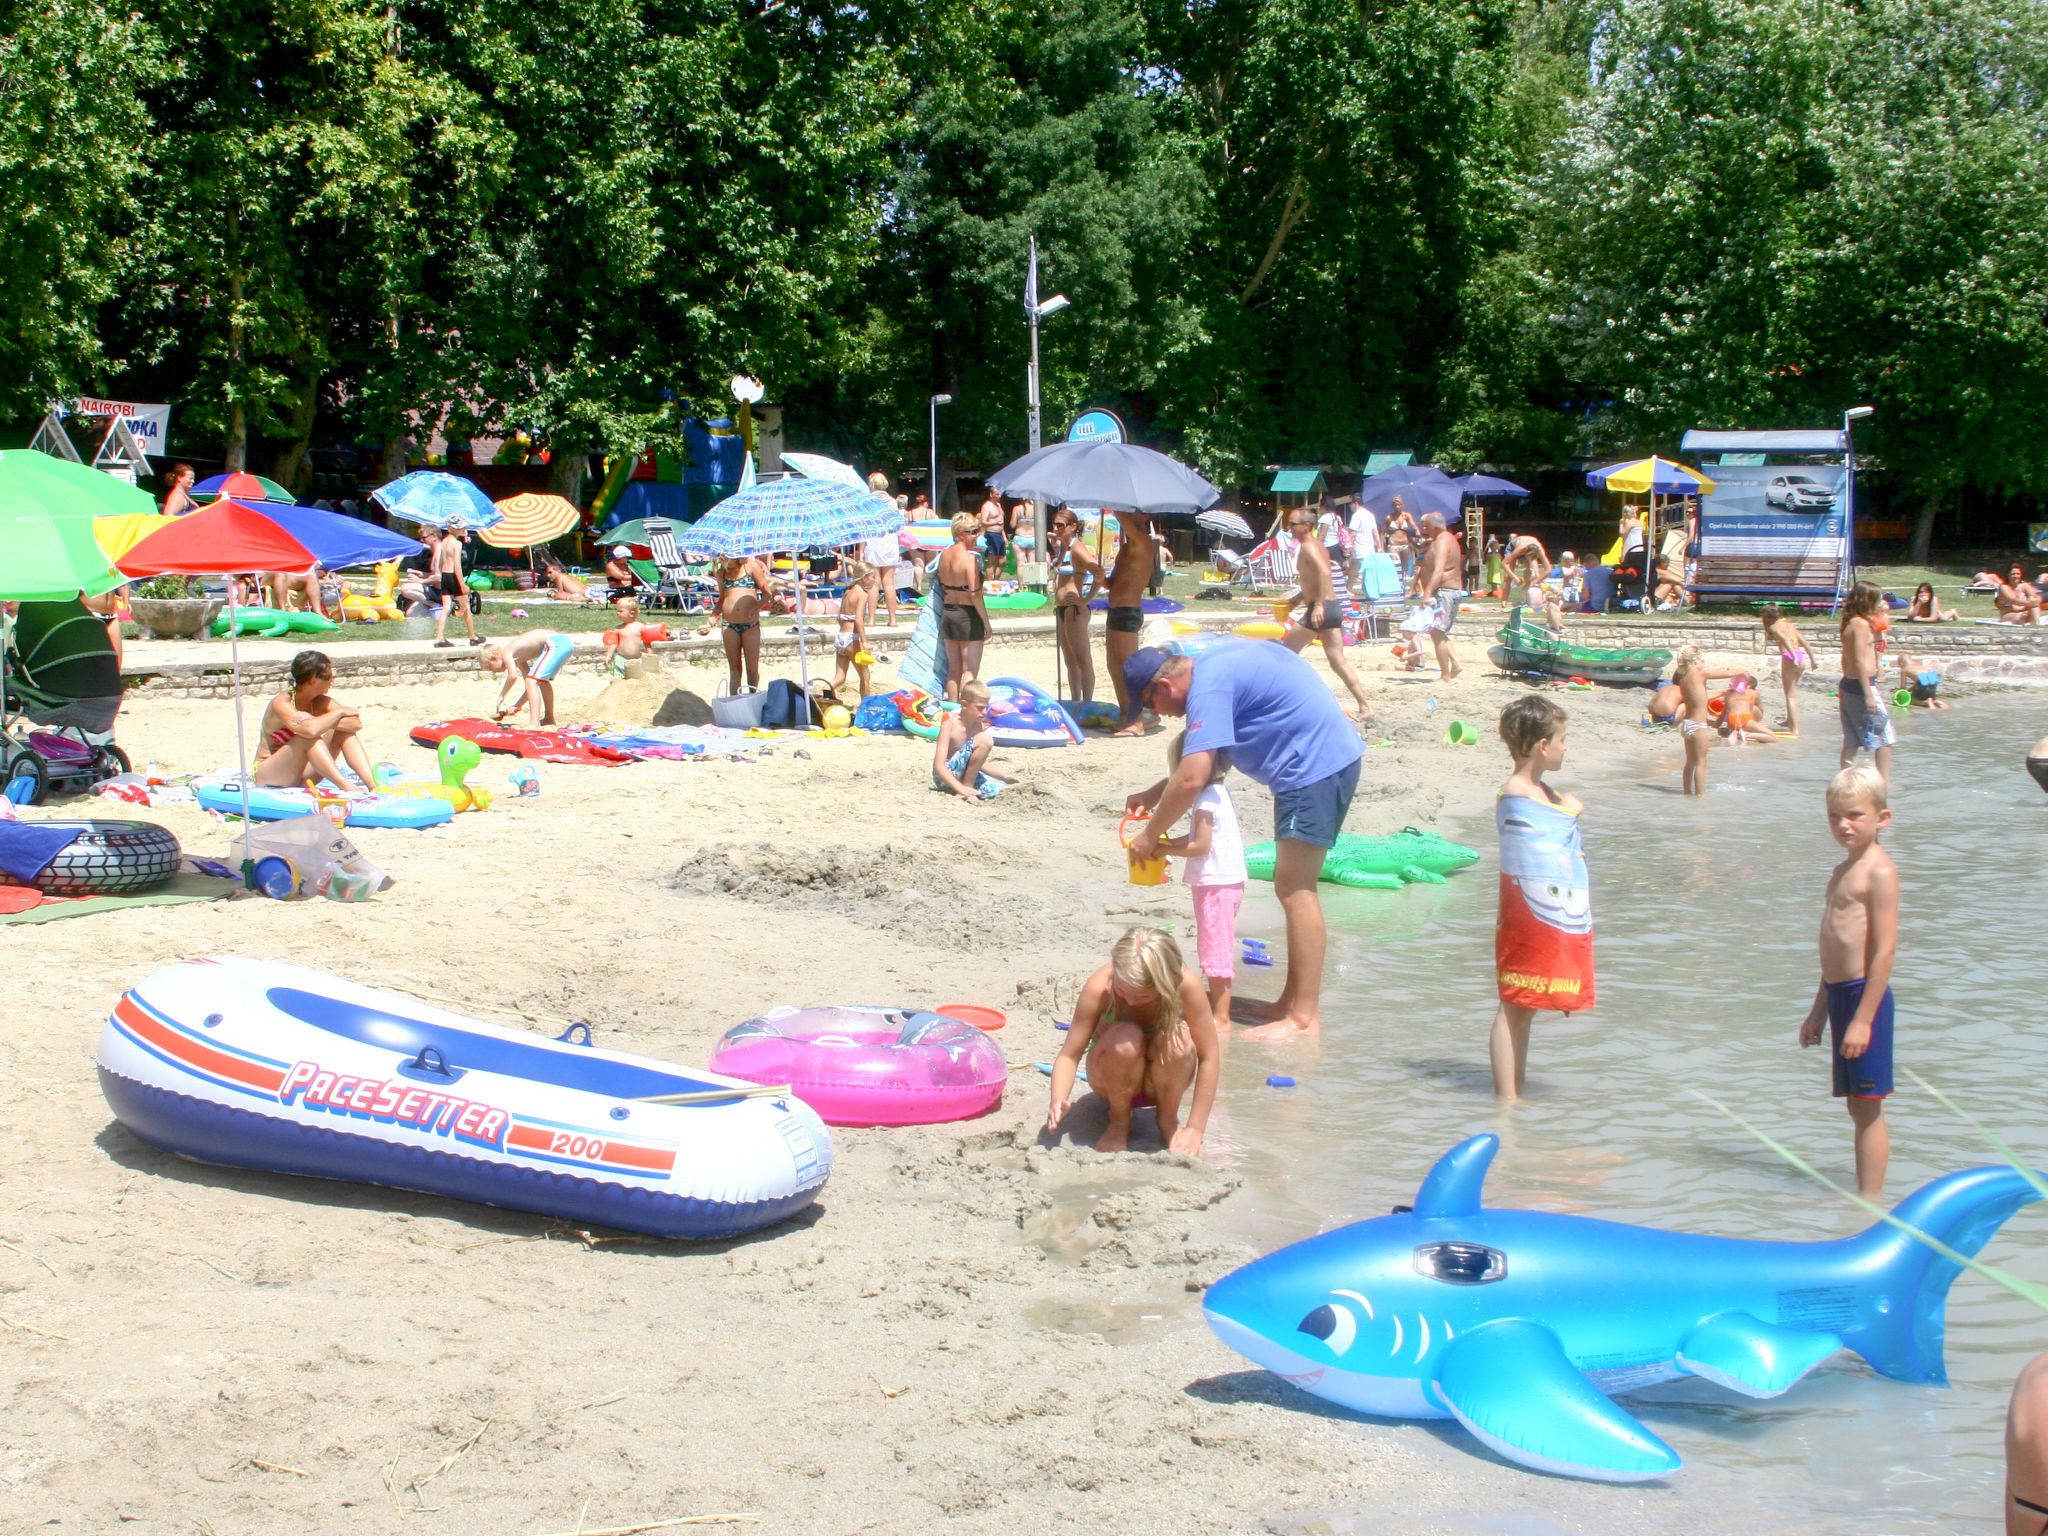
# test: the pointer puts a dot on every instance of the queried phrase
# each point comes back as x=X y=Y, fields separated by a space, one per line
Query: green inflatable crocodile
x=1409 y=857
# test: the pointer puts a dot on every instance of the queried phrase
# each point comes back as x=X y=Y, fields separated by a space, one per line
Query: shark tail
x=1961 y=1211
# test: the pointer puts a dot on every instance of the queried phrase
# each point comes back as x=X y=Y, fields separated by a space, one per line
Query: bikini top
x=745 y=579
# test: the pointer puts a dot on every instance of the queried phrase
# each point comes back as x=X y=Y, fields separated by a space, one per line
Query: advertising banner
x=149 y=423
x=1096 y=427
x=1775 y=528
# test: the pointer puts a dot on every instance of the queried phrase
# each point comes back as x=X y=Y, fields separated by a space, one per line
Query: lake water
x=1705 y=915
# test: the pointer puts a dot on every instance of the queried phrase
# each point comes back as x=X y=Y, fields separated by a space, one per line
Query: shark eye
x=1333 y=1325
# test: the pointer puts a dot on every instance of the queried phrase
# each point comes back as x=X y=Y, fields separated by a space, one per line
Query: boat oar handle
x=719 y=1095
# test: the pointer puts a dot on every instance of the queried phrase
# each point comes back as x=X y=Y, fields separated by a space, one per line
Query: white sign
x=149 y=423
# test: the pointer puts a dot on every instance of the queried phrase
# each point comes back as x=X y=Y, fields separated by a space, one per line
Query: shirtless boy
x=447 y=572
x=1322 y=616
x=1076 y=574
x=1866 y=723
x=1136 y=554
x=529 y=662
x=1859 y=940
x=303 y=729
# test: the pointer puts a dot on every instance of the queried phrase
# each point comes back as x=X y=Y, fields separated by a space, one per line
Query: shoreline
x=971 y=1325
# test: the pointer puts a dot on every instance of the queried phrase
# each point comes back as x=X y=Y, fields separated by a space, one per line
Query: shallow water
x=1705 y=916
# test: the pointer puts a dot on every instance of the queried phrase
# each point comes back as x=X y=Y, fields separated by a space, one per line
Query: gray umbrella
x=1423 y=488
x=1228 y=524
x=1120 y=477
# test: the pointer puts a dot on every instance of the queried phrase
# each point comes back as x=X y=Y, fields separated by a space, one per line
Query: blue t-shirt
x=1274 y=715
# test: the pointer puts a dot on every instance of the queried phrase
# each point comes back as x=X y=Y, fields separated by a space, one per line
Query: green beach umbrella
x=44 y=557
x=66 y=489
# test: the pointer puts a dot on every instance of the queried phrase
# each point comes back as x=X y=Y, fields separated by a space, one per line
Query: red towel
x=541 y=746
x=1543 y=940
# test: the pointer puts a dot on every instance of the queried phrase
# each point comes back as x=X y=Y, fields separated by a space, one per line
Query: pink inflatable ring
x=869 y=1066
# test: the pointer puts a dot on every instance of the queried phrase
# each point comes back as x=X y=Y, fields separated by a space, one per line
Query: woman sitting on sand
x=304 y=729
x=1143 y=1024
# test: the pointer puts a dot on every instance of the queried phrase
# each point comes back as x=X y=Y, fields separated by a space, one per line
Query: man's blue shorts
x=1868 y=1076
x=1315 y=813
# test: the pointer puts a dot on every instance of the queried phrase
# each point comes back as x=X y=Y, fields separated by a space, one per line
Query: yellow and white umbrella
x=531 y=517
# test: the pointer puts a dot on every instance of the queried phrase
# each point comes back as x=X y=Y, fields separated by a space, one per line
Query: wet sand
x=974 y=1324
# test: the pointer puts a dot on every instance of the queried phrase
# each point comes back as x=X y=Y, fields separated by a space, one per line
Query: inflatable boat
x=224 y=794
x=260 y=1065
x=1023 y=714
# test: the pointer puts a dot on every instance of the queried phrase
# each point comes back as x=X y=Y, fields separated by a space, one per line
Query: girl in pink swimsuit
x=1785 y=639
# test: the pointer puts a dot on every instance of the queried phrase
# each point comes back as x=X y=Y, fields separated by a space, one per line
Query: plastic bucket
x=1460 y=735
x=1150 y=871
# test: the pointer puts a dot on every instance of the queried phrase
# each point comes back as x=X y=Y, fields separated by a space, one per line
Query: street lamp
x=1853 y=414
x=1038 y=312
x=747 y=389
x=937 y=401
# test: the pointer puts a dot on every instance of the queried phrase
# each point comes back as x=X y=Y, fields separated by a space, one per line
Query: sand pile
x=648 y=699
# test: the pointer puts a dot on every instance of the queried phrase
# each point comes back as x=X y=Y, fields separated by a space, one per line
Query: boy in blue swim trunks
x=530 y=662
x=1859 y=940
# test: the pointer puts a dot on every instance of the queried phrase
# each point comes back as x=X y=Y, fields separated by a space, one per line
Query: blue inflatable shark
x=1519 y=1323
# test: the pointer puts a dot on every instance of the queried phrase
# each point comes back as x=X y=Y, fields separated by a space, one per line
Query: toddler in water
x=1859 y=941
x=960 y=755
x=1143 y=1024
x=1215 y=876
x=1543 y=938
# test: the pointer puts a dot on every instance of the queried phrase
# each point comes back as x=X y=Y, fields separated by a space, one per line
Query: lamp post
x=747 y=390
x=937 y=401
x=1855 y=413
x=1038 y=312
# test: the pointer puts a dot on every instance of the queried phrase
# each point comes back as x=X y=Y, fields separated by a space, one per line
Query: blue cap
x=1140 y=667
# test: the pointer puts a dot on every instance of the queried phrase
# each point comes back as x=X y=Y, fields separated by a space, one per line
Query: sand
x=974 y=1325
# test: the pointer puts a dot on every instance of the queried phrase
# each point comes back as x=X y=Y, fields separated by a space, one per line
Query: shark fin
x=1511 y=1383
x=1454 y=1184
x=1962 y=1210
x=1755 y=1358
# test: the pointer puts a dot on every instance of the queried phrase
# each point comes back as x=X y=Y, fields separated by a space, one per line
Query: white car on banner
x=1799 y=493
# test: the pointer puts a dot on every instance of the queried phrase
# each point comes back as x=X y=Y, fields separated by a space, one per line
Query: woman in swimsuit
x=1793 y=660
x=1143 y=1023
x=742 y=584
x=1926 y=607
x=304 y=730
x=963 y=621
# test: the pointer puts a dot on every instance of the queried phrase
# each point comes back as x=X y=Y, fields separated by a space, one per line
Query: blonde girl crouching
x=1143 y=1024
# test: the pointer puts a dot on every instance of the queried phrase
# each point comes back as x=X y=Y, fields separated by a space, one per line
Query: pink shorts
x=1216 y=927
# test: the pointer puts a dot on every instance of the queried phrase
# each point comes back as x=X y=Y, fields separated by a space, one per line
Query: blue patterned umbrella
x=798 y=513
x=429 y=496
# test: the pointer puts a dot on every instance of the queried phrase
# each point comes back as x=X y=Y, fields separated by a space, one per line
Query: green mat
x=180 y=890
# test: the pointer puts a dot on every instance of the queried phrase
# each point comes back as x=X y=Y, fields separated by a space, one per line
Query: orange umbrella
x=531 y=517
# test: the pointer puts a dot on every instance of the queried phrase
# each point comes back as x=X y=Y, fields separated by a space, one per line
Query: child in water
x=1922 y=684
x=960 y=754
x=1543 y=938
x=1859 y=940
x=1143 y=1025
x=1866 y=724
x=1215 y=876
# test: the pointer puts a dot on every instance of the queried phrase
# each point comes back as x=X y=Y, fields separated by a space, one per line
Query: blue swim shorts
x=1866 y=724
x=1868 y=1076
x=1315 y=813
x=551 y=660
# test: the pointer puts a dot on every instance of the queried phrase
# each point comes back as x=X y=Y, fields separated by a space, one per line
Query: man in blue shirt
x=1267 y=708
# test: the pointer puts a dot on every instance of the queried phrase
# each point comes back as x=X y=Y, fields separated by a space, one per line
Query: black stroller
x=58 y=672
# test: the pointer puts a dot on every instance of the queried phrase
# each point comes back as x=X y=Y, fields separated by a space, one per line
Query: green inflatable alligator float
x=1526 y=646
x=1409 y=857
x=269 y=623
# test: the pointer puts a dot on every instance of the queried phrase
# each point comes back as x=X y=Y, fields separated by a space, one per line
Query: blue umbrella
x=429 y=496
x=1423 y=488
x=338 y=541
x=1478 y=487
x=797 y=513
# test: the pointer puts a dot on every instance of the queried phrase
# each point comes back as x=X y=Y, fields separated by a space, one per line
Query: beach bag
x=786 y=708
x=878 y=714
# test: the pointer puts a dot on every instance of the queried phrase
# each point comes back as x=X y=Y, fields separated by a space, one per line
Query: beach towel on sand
x=1543 y=940
x=541 y=746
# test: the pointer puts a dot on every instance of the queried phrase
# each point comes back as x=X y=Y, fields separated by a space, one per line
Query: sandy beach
x=975 y=1326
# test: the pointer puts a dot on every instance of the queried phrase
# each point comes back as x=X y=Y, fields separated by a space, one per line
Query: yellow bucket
x=1150 y=871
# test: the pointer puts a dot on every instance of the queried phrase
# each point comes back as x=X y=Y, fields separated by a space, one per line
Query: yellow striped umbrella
x=118 y=535
x=531 y=517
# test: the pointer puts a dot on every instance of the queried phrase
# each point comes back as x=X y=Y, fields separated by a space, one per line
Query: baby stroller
x=58 y=671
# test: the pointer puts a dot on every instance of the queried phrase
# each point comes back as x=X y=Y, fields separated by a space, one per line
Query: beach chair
x=58 y=672
x=1380 y=594
x=675 y=585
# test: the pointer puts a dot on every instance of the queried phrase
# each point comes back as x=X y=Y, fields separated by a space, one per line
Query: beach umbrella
x=1650 y=477
x=240 y=485
x=45 y=558
x=430 y=496
x=118 y=535
x=1228 y=524
x=1482 y=487
x=817 y=467
x=225 y=537
x=1118 y=477
x=794 y=514
x=1423 y=488
x=533 y=517
x=64 y=489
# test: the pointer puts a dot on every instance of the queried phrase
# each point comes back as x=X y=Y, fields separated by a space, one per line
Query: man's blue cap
x=1140 y=667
